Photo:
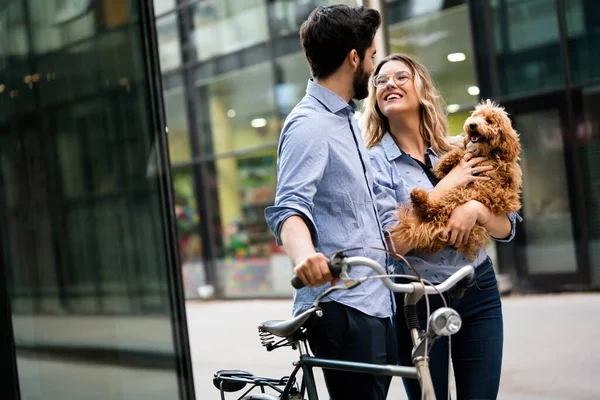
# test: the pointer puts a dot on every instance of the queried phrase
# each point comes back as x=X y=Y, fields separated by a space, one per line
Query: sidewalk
x=550 y=352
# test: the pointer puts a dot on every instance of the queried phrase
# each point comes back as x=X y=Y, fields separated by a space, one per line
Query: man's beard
x=360 y=83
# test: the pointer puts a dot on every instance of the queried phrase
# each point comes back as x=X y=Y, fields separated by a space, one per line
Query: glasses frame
x=394 y=75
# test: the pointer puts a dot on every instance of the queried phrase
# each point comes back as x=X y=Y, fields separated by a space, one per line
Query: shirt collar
x=331 y=100
x=392 y=151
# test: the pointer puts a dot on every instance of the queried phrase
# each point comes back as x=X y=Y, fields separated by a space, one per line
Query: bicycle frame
x=422 y=340
x=420 y=359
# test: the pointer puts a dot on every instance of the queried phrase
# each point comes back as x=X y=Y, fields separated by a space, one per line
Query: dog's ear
x=509 y=144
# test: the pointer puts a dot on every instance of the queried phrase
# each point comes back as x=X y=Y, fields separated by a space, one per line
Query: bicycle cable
x=427 y=304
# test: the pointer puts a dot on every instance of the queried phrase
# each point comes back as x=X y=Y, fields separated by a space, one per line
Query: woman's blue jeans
x=476 y=348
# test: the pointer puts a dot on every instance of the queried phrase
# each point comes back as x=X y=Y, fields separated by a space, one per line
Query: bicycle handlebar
x=337 y=266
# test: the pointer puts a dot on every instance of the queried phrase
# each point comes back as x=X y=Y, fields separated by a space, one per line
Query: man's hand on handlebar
x=314 y=270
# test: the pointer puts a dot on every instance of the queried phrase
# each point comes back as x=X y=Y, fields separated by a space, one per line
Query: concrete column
x=381 y=42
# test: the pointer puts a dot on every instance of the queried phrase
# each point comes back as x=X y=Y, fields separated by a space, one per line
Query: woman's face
x=395 y=92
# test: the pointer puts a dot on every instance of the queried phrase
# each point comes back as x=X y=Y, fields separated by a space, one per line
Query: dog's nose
x=472 y=125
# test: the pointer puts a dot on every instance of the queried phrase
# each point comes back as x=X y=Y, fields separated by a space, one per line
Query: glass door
x=550 y=246
x=91 y=281
x=547 y=248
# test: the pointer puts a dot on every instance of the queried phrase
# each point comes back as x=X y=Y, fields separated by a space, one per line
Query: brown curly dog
x=488 y=133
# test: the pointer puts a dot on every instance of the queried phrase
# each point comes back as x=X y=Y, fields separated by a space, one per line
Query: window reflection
x=226 y=26
x=588 y=134
x=442 y=42
x=546 y=206
x=246 y=111
x=84 y=228
x=527 y=45
x=242 y=112
x=169 y=46
x=177 y=123
x=287 y=15
x=583 y=27
x=163 y=6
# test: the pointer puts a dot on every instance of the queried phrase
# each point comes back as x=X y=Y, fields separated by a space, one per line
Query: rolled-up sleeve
x=302 y=157
x=384 y=188
x=513 y=218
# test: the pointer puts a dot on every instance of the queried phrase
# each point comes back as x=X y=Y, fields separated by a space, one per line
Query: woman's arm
x=498 y=225
x=464 y=217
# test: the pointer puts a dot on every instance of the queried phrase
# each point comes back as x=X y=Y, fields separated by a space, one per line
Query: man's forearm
x=296 y=239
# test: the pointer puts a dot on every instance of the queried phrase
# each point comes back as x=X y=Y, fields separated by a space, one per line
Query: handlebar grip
x=334 y=267
x=297 y=283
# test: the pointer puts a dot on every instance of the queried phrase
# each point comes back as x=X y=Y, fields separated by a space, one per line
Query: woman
x=404 y=127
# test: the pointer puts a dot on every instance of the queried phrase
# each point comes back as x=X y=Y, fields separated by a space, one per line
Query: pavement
x=550 y=351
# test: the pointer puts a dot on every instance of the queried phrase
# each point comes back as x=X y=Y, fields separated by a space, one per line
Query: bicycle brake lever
x=344 y=275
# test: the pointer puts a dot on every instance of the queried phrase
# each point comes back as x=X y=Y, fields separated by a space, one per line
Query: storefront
x=233 y=69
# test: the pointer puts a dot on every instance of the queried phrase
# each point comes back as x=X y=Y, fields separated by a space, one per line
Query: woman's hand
x=462 y=220
x=461 y=175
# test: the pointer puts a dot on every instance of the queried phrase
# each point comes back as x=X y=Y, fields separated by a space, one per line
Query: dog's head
x=488 y=131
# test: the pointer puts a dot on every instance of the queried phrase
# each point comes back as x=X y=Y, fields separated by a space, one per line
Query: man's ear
x=354 y=59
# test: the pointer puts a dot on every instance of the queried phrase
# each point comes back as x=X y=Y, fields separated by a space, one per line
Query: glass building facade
x=90 y=276
x=233 y=69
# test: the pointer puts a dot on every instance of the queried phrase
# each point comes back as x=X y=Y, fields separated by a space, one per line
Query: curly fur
x=423 y=222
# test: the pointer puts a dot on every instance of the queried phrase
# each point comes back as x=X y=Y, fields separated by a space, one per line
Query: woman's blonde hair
x=433 y=123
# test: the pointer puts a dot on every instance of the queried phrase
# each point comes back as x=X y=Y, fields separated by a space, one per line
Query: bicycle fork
x=421 y=344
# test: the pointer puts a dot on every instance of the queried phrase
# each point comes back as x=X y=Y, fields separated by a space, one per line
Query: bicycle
x=293 y=333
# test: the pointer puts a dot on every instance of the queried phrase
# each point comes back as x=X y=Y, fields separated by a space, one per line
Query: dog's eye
x=489 y=121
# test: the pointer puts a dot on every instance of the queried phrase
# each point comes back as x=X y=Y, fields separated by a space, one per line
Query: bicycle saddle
x=288 y=327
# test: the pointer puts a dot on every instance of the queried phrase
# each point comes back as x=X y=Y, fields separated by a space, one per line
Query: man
x=325 y=202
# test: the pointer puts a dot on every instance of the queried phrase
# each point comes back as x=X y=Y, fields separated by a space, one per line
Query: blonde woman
x=405 y=130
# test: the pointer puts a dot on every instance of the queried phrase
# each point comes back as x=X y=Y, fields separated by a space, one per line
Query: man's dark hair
x=331 y=32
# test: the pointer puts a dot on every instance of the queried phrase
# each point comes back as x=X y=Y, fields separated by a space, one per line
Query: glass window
x=402 y=10
x=546 y=207
x=188 y=228
x=240 y=111
x=583 y=27
x=85 y=231
x=527 y=46
x=246 y=116
x=292 y=75
x=226 y=26
x=442 y=42
x=163 y=6
x=253 y=265
x=588 y=134
x=177 y=123
x=169 y=46
x=286 y=16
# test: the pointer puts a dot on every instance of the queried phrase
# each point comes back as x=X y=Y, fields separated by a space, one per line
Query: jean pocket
x=486 y=279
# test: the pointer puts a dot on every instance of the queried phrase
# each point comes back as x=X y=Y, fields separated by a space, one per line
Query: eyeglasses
x=400 y=78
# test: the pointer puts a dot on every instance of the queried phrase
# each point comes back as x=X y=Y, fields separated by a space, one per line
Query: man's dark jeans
x=344 y=333
x=476 y=348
